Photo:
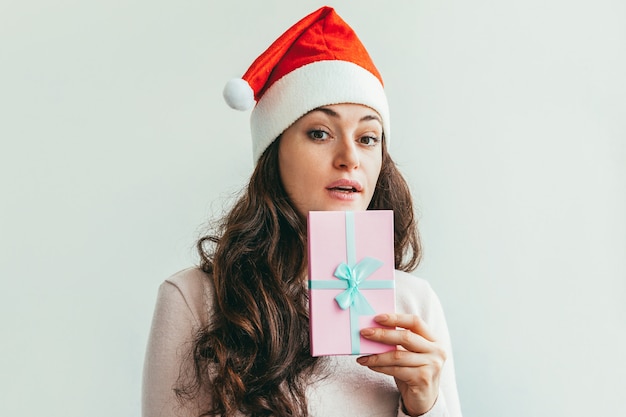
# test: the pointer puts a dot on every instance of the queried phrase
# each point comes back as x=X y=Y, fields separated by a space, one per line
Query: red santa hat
x=318 y=61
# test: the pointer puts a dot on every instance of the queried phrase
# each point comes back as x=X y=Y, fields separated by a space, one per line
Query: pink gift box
x=351 y=279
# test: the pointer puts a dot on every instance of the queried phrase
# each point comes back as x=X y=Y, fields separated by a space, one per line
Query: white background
x=508 y=121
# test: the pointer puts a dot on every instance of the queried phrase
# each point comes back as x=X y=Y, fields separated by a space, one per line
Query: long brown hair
x=257 y=344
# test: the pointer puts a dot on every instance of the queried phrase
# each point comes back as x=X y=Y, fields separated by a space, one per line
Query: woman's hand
x=417 y=363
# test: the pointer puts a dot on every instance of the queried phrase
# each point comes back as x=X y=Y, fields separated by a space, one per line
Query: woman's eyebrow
x=371 y=117
x=327 y=111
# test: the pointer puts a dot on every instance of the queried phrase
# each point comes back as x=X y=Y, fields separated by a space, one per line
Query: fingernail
x=362 y=360
x=382 y=317
x=367 y=332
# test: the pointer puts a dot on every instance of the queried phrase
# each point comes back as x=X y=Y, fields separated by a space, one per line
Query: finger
x=406 y=321
x=399 y=337
x=406 y=366
x=395 y=359
x=408 y=374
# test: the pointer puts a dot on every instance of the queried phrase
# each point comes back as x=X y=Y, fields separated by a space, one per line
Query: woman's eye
x=368 y=140
x=318 y=134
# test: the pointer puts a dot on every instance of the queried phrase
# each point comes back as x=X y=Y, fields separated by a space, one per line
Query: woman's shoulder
x=410 y=281
x=415 y=295
x=189 y=280
x=193 y=287
x=407 y=283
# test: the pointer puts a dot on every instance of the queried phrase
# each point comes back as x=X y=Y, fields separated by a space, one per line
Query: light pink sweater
x=184 y=304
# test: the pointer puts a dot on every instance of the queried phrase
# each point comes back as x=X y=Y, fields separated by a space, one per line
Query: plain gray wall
x=508 y=121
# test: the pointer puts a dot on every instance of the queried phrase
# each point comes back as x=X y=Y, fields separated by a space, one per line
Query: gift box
x=351 y=279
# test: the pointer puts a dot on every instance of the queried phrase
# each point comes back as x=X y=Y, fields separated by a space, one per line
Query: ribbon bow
x=355 y=276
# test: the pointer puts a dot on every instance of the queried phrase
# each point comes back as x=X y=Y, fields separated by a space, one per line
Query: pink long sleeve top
x=349 y=389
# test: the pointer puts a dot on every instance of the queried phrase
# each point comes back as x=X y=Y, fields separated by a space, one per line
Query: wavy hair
x=254 y=357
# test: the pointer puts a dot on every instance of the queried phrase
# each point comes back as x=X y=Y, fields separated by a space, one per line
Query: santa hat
x=318 y=61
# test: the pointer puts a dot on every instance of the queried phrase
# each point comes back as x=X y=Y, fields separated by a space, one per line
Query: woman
x=231 y=338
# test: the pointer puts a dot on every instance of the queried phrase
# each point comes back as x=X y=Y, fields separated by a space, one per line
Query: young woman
x=231 y=338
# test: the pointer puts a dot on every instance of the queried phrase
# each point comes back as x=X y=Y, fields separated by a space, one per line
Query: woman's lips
x=345 y=186
x=345 y=189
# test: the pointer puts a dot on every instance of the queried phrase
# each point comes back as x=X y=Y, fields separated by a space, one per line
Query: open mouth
x=344 y=189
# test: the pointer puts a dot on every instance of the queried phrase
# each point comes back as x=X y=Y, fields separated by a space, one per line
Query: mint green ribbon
x=353 y=276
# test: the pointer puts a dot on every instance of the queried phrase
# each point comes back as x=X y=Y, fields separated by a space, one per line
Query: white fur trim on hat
x=311 y=86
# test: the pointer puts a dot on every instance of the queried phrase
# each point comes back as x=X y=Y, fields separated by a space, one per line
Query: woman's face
x=331 y=157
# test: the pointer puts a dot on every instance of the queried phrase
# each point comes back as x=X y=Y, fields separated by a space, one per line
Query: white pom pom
x=238 y=94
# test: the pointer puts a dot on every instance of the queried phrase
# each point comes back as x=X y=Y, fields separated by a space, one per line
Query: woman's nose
x=346 y=156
